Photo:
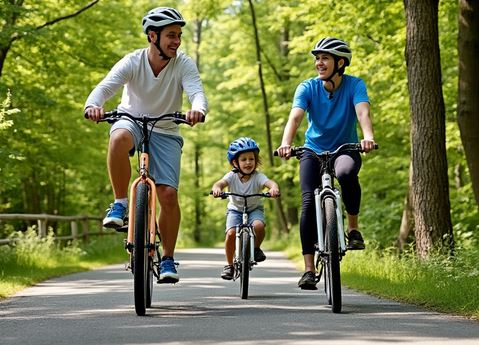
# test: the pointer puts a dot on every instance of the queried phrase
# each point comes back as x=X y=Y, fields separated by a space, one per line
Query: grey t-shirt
x=254 y=185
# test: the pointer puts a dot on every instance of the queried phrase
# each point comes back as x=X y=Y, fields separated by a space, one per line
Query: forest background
x=54 y=161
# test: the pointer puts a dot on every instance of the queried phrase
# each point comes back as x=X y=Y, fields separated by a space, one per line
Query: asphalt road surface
x=96 y=307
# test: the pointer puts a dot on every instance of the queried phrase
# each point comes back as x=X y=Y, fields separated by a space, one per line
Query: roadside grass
x=443 y=284
x=31 y=260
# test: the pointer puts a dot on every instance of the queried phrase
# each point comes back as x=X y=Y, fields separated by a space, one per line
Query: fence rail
x=43 y=219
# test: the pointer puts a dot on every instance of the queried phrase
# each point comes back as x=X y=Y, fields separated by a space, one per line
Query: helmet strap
x=157 y=45
x=330 y=78
x=237 y=169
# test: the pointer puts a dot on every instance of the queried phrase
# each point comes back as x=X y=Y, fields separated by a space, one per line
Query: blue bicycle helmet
x=240 y=145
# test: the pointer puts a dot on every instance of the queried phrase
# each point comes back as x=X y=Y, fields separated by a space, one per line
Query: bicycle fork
x=143 y=178
x=319 y=194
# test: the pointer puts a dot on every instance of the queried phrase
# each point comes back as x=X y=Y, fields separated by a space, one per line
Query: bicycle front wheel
x=332 y=276
x=141 y=259
x=245 y=264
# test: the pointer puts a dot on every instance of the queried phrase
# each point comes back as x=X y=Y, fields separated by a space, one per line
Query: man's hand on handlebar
x=94 y=113
x=194 y=116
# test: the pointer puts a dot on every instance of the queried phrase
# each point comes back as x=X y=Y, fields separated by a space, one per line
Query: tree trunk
x=198 y=200
x=430 y=188
x=468 y=100
x=407 y=221
x=279 y=206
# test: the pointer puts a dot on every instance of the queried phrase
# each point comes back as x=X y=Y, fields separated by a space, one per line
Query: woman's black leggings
x=347 y=167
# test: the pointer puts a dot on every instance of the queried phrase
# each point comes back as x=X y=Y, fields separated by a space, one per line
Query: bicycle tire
x=332 y=279
x=140 y=250
x=245 y=264
x=149 y=283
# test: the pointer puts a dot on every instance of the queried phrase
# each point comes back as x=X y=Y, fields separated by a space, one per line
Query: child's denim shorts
x=234 y=218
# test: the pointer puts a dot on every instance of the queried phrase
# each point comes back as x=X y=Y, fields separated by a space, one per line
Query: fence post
x=74 y=228
x=85 y=229
x=42 y=228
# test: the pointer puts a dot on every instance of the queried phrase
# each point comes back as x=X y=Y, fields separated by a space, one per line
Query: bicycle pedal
x=123 y=229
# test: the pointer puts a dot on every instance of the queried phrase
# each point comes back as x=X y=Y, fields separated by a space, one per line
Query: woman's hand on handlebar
x=94 y=113
x=284 y=151
x=194 y=116
x=368 y=145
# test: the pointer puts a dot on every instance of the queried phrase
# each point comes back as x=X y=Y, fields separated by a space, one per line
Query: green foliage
x=30 y=259
x=53 y=161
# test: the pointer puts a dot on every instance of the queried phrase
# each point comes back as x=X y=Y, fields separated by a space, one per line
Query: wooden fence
x=43 y=219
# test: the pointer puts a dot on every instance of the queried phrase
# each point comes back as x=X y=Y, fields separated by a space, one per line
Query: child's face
x=247 y=162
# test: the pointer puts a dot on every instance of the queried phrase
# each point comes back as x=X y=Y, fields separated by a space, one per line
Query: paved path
x=96 y=308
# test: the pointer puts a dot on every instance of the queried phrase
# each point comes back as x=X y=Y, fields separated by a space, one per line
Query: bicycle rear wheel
x=141 y=260
x=332 y=276
x=245 y=264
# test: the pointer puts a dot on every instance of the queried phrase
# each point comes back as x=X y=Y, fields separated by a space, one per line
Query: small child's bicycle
x=244 y=259
x=143 y=236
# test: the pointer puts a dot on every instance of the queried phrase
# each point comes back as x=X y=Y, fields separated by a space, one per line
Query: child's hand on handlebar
x=215 y=191
x=274 y=192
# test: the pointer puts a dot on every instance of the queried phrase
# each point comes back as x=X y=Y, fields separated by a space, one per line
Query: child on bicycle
x=243 y=155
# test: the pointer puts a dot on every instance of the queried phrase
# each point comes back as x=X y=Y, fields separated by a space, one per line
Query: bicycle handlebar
x=224 y=195
x=114 y=115
x=295 y=150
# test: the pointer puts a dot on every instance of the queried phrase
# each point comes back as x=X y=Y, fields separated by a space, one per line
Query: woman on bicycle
x=335 y=103
x=243 y=155
x=153 y=80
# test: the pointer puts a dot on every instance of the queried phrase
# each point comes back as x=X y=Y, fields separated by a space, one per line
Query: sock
x=123 y=201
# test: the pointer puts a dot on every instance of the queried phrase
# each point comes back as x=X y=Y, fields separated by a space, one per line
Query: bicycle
x=244 y=259
x=331 y=246
x=143 y=236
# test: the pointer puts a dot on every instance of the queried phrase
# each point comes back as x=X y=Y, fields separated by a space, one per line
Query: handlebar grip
x=275 y=153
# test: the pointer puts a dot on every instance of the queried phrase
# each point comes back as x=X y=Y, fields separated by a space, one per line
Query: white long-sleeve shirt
x=143 y=93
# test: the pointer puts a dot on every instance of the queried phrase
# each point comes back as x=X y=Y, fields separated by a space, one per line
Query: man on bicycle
x=335 y=103
x=153 y=79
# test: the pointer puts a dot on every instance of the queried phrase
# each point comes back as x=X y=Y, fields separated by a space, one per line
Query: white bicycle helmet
x=160 y=17
x=334 y=47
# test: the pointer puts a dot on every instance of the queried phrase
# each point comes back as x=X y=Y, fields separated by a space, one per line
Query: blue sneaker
x=168 y=272
x=115 y=216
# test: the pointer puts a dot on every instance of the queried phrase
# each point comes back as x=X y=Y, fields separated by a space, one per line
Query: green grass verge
x=439 y=283
x=443 y=284
x=32 y=260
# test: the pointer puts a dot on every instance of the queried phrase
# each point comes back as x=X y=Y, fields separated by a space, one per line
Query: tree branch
x=68 y=15
x=56 y=20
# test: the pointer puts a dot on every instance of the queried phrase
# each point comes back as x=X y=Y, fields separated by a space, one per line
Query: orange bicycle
x=143 y=236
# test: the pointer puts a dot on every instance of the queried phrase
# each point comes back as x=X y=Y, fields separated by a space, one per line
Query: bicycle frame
x=143 y=177
x=240 y=229
x=327 y=190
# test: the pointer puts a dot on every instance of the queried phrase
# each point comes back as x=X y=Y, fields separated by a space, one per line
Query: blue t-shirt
x=331 y=122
